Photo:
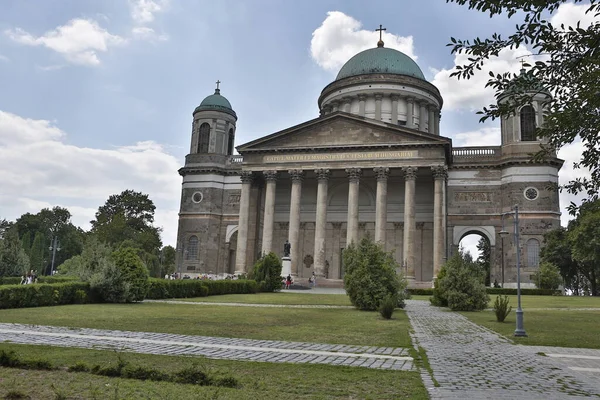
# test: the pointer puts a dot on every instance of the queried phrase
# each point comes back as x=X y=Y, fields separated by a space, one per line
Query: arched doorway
x=231 y=242
x=478 y=247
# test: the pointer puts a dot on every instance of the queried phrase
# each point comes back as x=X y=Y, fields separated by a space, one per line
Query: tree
x=485 y=254
x=370 y=275
x=547 y=276
x=39 y=253
x=460 y=285
x=569 y=70
x=133 y=271
x=585 y=243
x=13 y=259
x=557 y=251
x=50 y=223
x=267 y=273
x=168 y=260
x=86 y=264
x=128 y=216
x=4 y=226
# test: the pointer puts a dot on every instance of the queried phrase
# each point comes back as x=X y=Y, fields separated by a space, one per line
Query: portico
x=323 y=186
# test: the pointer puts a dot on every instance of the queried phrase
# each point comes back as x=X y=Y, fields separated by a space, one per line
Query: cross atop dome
x=380 y=30
x=217 y=90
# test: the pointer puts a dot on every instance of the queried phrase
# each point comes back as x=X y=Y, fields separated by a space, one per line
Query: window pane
x=533 y=253
x=192 y=249
x=527 y=124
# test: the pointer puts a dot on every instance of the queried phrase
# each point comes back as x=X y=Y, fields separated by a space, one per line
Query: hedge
x=524 y=292
x=16 y=280
x=44 y=294
x=182 y=288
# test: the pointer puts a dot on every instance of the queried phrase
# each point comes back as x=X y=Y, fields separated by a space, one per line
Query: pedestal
x=286 y=266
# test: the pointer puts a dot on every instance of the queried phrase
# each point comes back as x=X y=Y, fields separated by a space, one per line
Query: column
x=410 y=227
x=294 y=232
x=395 y=99
x=381 y=173
x=347 y=103
x=352 y=225
x=540 y=114
x=440 y=172
x=334 y=105
x=422 y=116
x=361 y=104
x=321 y=221
x=267 y=239
x=410 y=119
x=436 y=121
x=430 y=120
x=242 y=237
x=378 y=97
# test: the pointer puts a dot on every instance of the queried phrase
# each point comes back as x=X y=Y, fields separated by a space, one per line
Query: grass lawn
x=257 y=380
x=548 y=327
x=339 y=326
x=278 y=298
x=552 y=301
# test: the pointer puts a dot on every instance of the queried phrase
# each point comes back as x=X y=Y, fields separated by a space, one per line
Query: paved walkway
x=389 y=358
x=471 y=362
x=586 y=361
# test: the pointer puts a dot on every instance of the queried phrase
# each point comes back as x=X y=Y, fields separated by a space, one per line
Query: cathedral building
x=373 y=163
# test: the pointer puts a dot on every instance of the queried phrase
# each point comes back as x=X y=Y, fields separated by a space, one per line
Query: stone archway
x=488 y=233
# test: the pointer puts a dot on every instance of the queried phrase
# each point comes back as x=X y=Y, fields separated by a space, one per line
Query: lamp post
x=53 y=248
x=519 y=331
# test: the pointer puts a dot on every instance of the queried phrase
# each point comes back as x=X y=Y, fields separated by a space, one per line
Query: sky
x=97 y=97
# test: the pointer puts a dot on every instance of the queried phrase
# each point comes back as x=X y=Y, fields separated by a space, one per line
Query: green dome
x=216 y=102
x=380 y=60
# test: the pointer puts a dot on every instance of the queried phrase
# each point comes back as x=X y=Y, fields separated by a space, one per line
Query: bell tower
x=209 y=190
x=213 y=128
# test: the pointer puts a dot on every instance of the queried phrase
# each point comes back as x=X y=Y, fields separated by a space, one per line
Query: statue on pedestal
x=286 y=248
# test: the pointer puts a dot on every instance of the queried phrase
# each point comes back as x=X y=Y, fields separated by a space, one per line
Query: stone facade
x=339 y=177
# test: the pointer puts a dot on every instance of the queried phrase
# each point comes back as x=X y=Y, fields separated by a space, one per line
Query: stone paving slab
x=207 y=303
x=471 y=362
x=212 y=347
x=585 y=361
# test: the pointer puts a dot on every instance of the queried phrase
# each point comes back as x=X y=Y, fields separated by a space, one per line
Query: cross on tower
x=380 y=30
x=217 y=82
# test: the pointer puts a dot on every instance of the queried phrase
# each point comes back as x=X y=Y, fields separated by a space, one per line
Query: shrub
x=267 y=272
x=460 y=285
x=501 y=308
x=37 y=295
x=133 y=271
x=387 y=306
x=525 y=292
x=108 y=284
x=79 y=367
x=370 y=275
x=547 y=276
x=192 y=375
x=143 y=373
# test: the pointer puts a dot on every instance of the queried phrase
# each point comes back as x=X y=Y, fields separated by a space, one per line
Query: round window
x=197 y=197
x=531 y=193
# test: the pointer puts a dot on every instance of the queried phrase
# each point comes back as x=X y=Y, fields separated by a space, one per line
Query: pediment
x=341 y=130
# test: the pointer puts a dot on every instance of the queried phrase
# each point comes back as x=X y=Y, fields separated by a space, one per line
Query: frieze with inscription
x=479 y=197
x=373 y=155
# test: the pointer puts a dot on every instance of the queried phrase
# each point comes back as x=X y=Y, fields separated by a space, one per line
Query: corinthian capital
x=296 y=174
x=270 y=175
x=440 y=171
x=410 y=173
x=246 y=176
x=354 y=174
x=381 y=173
x=322 y=174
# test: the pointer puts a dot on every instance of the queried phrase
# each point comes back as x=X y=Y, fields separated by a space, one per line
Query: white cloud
x=40 y=169
x=472 y=94
x=3 y=58
x=145 y=33
x=569 y=14
x=143 y=11
x=340 y=37
x=79 y=40
x=570 y=153
x=480 y=137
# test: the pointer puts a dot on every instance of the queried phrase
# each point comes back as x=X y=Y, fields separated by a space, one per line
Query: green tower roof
x=380 y=60
x=216 y=102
